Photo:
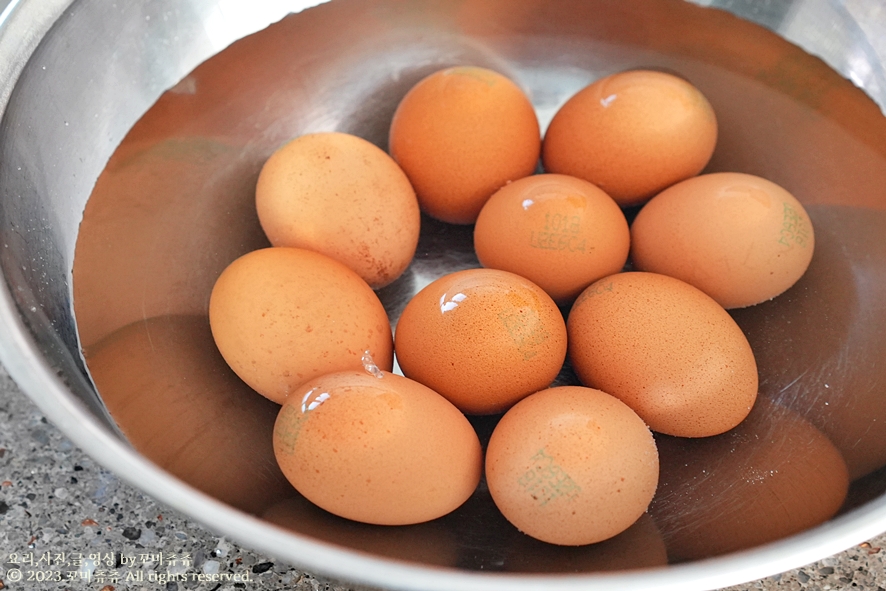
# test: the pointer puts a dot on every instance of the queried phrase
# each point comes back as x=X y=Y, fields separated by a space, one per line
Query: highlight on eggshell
x=632 y=134
x=560 y=232
x=483 y=338
x=280 y=316
x=376 y=447
x=460 y=134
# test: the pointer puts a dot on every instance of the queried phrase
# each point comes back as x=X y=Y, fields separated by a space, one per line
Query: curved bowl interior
x=131 y=143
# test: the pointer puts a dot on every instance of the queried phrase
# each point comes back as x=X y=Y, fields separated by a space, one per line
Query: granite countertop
x=60 y=507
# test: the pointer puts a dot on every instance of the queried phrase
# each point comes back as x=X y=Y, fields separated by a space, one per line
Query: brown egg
x=281 y=316
x=667 y=350
x=482 y=338
x=737 y=237
x=340 y=195
x=571 y=466
x=773 y=476
x=377 y=448
x=560 y=232
x=632 y=134
x=461 y=134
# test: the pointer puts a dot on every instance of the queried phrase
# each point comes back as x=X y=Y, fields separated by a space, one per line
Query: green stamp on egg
x=546 y=481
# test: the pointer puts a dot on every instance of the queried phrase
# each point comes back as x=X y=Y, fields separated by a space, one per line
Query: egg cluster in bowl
x=637 y=310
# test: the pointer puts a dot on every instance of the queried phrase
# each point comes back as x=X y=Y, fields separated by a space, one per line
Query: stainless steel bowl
x=131 y=134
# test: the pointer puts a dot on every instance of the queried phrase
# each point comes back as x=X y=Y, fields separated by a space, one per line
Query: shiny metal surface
x=166 y=207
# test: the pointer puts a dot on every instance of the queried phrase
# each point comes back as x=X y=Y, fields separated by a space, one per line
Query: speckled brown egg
x=665 y=349
x=739 y=238
x=377 y=448
x=560 y=232
x=461 y=134
x=281 y=316
x=483 y=338
x=632 y=134
x=571 y=466
x=340 y=195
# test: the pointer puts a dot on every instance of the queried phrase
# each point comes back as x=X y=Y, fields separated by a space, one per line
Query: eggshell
x=340 y=195
x=560 y=232
x=571 y=466
x=739 y=238
x=460 y=134
x=377 y=448
x=483 y=338
x=667 y=350
x=281 y=316
x=773 y=476
x=632 y=134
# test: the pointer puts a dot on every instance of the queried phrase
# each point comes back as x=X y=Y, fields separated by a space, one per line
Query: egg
x=376 y=447
x=483 y=338
x=281 y=316
x=460 y=134
x=342 y=196
x=632 y=134
x=560 y=232
x=665 y=349
x=571 y=466
x=771 y=477
x=739 y=238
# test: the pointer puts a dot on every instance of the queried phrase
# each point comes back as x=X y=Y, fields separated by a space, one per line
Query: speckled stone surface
x=70 y=522
x=67 y=518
